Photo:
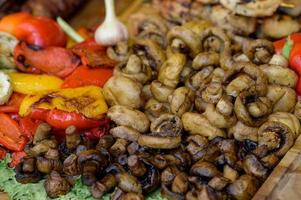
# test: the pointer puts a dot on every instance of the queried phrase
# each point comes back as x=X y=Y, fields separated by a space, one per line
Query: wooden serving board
x=284 y=183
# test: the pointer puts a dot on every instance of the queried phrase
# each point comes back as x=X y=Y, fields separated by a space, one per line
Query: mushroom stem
x=72 y=138
x=137 y=168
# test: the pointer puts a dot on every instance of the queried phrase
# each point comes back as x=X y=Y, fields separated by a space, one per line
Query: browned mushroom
x=134 y=69
x=253 y=167
x=72 y=138
x=165 y=133
x=259 y=51
x=128 y=183
x=204 y=169
x=150 y=52
x=119 y=147
x=200 y=79
x=180 y=183
x=181 y=101
x=55 y=185
x=160 y=91
x=136 y=166
x=50 y=162
x=243 y=188
x=91 y=162
x=252 y=109
x=197 y=124
x=120 y=90
x=196 y=147
x=41 y=133
x=218 y=182
x=119 y=52
x=42 y=147
x=153 y=109
x=205 y=59
x=125 y=116
x=70 y=166
x=214 y=39
x=242 y=132
x=170 y=72
x=99 y=188
x=184 y=40
x=26 y=172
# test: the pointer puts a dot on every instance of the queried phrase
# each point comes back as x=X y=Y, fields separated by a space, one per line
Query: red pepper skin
x=28 y=126
x=3 y=153
x=41 y=31
x=10 y=134
x=13 y=104
x=10 y=22
x=61 y=120
x=279 y=44
x=17 y=158
x=84 y=76
x=52 y=60
x=295 y=58
x=93 y=54
x=96 y=133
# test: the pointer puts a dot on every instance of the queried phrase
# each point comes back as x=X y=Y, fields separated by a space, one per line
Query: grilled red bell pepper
x=291 y=49
x=3 y=153
x=84 y=76
x=93 y=54
x=96 y=133
x=16 y=158
x=279 y=44
x=11 y=136
x=13 y=105
x=40 y=31
x=61 y=119
x=10 y=22
x=56 y=61
x=28 y=126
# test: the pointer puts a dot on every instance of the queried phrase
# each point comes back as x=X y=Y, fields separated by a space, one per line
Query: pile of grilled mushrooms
x=261 y=18
x=196 y=111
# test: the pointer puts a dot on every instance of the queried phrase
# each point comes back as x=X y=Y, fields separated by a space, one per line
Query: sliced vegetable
x=278 y=45
x=52 y=60
x=13 y=105
x=34 y=84
x=41 y=31
x=16 y=158
x=88 y=101
x=84 y=76
x=69 y=30
x=3 y=153
x=28 y=126
x=10 y=134
x=8 y=43
x=61 y=120
x=10 y=22
x=93 y=54
x=6 y=89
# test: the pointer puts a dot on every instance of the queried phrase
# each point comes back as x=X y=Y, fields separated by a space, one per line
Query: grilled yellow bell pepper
x=88 y=101
x=34 y=84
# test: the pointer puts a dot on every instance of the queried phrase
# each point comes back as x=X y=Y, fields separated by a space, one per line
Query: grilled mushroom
x=26 y=172
x=55 y=185
x=120 y=90
x=128 y=183
x=99 y=188
x=50 y=162
x=165 y=133
x=259 y=51
x=181 y=101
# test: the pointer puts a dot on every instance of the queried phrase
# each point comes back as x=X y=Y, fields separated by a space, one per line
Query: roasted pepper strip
x=291 y=49
x=10 y=22
x=10 y=134
x=13 y=104
x=34 y=84
x=16 y=158
x=52 y=60
x=40 y=31
x=88 y=101
x=3 y=153
x=84 y=76
x=279 y=44
x=61 y=120
x=92 y=54
x=28 y=126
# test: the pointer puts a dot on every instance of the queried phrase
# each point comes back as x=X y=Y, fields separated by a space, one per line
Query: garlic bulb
x=111 y=31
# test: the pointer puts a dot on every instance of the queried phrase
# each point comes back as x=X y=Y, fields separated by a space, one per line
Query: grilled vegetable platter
x=193 y=99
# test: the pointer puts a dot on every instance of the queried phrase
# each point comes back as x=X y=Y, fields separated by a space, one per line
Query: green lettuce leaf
x=36 y=191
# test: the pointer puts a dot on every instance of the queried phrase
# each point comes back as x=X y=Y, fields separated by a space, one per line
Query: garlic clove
x=111 y=31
